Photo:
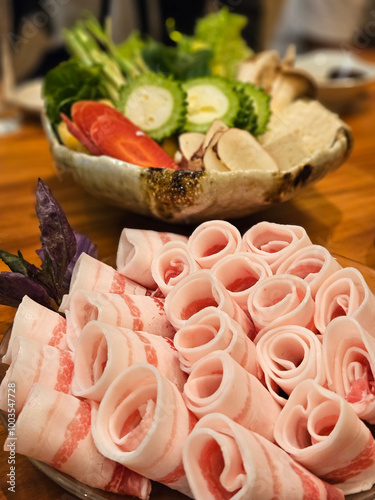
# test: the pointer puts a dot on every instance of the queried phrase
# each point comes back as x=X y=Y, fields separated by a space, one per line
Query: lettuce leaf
x=69 y=82
x=220 y=32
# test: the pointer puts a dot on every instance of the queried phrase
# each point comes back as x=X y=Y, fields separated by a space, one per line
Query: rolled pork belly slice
x=288 y=355
x=275 y=242
x=171 y=264
x=280 y=300
x=55 y=428
x=345 y=293
x=217 y=383
x=136 y=312
x=313 y=263
x=349 y=358
x=198 y=291
x=212 y=240
x=239 y=273
x=39 y=323
x=96 y=276
x=321 y=431
x=212 y=330
x=136 y=250
x=224 y=460
x=142 y=423
x=34 y=362
x=103 y=351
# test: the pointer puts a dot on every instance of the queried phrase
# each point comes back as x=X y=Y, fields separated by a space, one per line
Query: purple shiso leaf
x=14 y=286
x=61 y=247
x=84 y=245
x=57 y=237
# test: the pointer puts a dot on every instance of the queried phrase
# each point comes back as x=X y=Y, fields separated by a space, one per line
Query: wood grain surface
x=338 y=213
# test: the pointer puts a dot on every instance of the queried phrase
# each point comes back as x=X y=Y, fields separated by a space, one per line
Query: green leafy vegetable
x=177 y=62
x=220 y=32
x=69 y=82
x=148 y=81
x=61 y=247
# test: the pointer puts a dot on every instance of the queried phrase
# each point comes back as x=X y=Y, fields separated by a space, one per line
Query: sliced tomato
x=84 y=114
x=113 y=137
x=81 y=136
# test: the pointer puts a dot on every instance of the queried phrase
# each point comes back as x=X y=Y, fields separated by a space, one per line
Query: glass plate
x=160 y=492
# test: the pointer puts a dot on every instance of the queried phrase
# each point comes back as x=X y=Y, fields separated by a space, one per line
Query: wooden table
x=338 y=212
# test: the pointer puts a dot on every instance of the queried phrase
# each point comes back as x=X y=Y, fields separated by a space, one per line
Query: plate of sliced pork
x=214 y=365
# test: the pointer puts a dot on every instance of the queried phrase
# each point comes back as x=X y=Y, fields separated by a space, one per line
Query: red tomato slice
x=84 y=114
x=80 y=136
x=116 y=139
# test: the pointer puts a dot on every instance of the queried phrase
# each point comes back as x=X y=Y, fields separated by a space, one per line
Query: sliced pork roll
x=136 y=312
x=345 y=293
x=275 y=242
x=217 y=383
x=223 y=460
x=197 y=292
x=136 y=250
x=239 y=272
x=34 y=362
x=281 y=300
x=96 y=276
x=213 y=240
x=349 y=357
x=103 y=351
x=171 y=264
x=142 y=422
x=39 y=323
x=288 y=355
x=214 y=330
x=322 y=432
x=55 y=428
x=313 y=263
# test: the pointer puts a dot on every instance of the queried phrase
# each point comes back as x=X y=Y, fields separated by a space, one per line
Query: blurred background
x=36 y=42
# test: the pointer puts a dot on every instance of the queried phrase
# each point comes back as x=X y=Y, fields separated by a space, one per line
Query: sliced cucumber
x=261 y=104
x=210 y=98
x=155 y=103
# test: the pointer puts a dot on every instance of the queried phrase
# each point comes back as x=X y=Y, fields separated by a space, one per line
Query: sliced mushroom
x=216 y=126
x=190 y=151
x=288 y=151
x=210 y=159
x=239 y=150
x=290 y=85
x=262 y=69
x=189 y=143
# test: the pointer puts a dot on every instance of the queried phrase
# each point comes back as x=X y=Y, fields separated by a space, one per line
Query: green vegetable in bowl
x=255 y=109
x=155 y=103
x=164 y=90
x=210 y=98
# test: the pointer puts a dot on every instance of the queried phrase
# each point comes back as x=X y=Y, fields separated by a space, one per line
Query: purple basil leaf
x=45 y=277
x=14 y=286
x=57 y=237
x=84 y=245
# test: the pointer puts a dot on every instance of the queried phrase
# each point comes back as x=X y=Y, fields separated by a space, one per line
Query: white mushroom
x=216 y=126
x=190 y=150
x=239 y=150
x=262 y=69
x=290 y=85
x=211 y=160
